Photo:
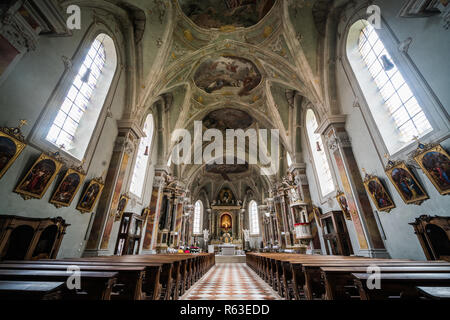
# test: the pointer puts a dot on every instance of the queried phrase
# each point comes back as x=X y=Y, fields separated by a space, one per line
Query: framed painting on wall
x=68 y=188
x=39 y=177
x=342 y=201
x=10 y=149
x=406 y=184
x=123 y=201
x=317 y=215
x=90 y=196
x=378 y=193
x=435 y=162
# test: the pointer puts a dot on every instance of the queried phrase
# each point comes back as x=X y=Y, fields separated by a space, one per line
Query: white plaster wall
x=23 y=95
x=429 y=52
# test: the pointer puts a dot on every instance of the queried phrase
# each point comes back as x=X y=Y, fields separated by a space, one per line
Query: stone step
x=230 y=259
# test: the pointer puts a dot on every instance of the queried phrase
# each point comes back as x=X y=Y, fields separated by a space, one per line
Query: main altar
x=227 y=218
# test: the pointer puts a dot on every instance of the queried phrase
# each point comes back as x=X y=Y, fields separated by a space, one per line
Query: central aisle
x=231 y=281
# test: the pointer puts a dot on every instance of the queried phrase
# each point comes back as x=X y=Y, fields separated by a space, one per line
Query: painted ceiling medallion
x=219 y=13
x=225 y=169
x=227 y=74
x=228 y=118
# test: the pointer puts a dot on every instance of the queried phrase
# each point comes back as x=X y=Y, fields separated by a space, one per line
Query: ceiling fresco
x=220 y=13
x=227 y=74
x=227 y=118
x=225 y=169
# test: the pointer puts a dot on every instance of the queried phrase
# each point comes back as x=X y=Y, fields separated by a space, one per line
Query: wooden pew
x=150 y=282
x=172 y=277
x=293 y=274
x=434 y=293
x=97 y=285
x=161 y=287
x=337 y=278
x=162 y=276
x=310 y=274
x=129 y=277
x=31 y=290
x=399 y=284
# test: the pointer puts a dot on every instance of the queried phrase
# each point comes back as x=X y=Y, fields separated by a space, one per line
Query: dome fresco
x=219 y=13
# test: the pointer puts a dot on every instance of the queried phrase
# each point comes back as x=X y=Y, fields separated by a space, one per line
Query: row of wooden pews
x=311 y=277
x=138 y=277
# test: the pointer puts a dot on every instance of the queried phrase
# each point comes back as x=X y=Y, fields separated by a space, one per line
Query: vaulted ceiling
x=233 y=64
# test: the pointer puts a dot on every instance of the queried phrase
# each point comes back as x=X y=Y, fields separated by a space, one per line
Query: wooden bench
x=336 y=279
x=161 y=276
x=297 y=276
x=31 y=290
x=435 y=293
x=95 y=285
x=401 y=285
x=129 y=279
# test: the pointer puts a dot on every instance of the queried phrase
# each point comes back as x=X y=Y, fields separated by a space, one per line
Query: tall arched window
x=198 y=214
x=142 y=158
x=319 y=156
x=74 y=124
x=253 y=217
x=289 y=159
x=396 y=111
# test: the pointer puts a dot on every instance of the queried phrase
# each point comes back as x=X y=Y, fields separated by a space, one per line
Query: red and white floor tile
x=231 y=281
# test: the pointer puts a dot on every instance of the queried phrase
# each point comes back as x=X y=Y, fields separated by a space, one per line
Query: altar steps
x=230 y=259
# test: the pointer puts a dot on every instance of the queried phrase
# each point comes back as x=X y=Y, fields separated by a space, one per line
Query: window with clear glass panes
x=404 y=109
x=253 y=217
x=319 y=156
x=198 y=208
x=84 y=99
x=142 y=159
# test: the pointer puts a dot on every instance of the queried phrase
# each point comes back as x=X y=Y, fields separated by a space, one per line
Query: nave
x=148 y=142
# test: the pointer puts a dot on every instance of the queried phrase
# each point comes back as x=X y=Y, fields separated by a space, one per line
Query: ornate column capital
x=124 y=143
x=331 y=121
x=338 y=140
x=131 y=125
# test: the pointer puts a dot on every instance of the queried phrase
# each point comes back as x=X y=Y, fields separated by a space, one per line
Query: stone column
x=115 y=185
x=337 y=139
x=151 y=230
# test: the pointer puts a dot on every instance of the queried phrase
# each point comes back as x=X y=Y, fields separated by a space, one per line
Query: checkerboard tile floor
x=231 y=281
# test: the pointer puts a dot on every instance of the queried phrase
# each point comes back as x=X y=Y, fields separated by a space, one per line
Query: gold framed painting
x=145 y=213
x=123 y=201
x=41 y=175
x=317 y=215
x=342 y=201
x=67 y=189
x=378 y=194
x=406 y=184
x=90 y=196
x=435 y=162
x=10 y=149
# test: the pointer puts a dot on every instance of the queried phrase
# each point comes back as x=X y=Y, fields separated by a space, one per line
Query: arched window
x=142 y=158
x=396 y=111
x=289 y=159
x=74 y=124
x=253 y=217
x=320 y=158
x=198 y=214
